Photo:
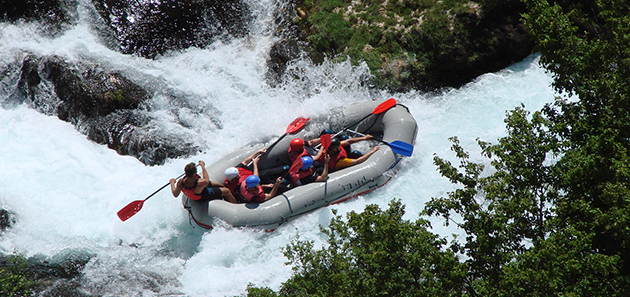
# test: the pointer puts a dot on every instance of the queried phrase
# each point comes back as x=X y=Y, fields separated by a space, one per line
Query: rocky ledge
x=407 y=44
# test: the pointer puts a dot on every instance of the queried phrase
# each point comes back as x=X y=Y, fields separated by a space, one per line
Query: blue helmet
x=252 y=181
x=307 y=162
x=326 y=131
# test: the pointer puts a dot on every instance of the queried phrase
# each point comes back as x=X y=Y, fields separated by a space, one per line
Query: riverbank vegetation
x=546 y=214
x=418 y=44
x=14 y=278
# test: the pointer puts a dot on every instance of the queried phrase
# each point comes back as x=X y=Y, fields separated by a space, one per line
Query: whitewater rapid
x=65 y=190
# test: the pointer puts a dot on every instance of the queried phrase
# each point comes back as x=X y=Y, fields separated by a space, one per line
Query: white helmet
x=231 y=173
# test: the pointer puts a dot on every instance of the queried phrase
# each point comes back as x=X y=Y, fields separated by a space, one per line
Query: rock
x=104 y=105
x=132 y=132
x=424 y=46
x=56 y=276
x=279 y=55
x=7 y=219
x=152 y=28
x=89 y=91
x=56 y=14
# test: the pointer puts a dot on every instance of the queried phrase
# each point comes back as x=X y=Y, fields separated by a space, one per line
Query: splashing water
x=66 y=190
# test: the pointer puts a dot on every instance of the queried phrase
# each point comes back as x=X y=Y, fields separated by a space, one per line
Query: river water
x=65 y=190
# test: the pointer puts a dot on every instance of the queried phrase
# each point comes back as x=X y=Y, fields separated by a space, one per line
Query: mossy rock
x=418 y=44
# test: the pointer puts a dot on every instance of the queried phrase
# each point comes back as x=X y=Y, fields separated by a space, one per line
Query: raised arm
x=176 y=187
x=255 y=171
x=356 y=139
x=274 y=190
x=319 y=154
x=361 y=159
x=204 y=181
x=252 y=156
x=324 y=176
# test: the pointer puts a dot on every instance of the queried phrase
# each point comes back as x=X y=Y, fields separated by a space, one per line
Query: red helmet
x=297 y=144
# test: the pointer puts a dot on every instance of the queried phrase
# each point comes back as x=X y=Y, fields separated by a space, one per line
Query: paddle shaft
x=386 y=105
x=397 y=146
x=379 y=109
x=164 y=186
x=361 y=134
x=135 y=206
x=293 y=127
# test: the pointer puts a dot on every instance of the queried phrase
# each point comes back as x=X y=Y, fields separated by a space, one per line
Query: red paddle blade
x=297 y=124
x=384 y=106
x=297 y=164
x=325 y=139
x=130 y=210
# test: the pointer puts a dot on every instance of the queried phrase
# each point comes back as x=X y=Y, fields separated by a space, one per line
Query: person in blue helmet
x=253 y=192
x=305 y=174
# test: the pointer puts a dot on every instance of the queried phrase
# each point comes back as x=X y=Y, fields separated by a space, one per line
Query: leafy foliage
x=412 y=43
x=374 y=253
x=14 y=281
x=546 y=214
x=504 y=213
x=552 y=217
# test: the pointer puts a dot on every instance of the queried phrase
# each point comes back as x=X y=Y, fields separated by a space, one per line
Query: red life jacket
x=295 y=177
x=235 y=183
x=294 y=156
x=334 y=159
x=256 y=195
x=190 y=192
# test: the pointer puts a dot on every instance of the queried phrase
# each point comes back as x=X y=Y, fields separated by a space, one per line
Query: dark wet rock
x=89 y=91
x=279 y=55
x=133 y=132
x=56 y=276
x=7 y=219
x=107 y=106
x=55 y=13
x=151 y=28
x=497 y=40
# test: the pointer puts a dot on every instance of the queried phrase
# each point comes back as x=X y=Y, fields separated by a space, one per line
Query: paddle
x=295 y=126
x=399 y=147
x=135 y=206
x=325 y=141
x=389 y=103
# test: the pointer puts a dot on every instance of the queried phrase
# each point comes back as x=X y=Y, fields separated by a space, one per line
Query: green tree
x=374 y=253
x=506 y=212
x=560 y=181
x=547 y=213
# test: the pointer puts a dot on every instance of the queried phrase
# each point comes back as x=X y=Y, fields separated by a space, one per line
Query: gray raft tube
x=391 y=125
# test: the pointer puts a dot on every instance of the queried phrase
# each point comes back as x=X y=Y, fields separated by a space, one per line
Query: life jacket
x=294 y=156
x=234 y=184
x=334 y=159
x=256 y=195
x=296 y=177
x=190 y=192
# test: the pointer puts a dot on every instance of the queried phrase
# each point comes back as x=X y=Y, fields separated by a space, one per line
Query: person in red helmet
x=298 y=149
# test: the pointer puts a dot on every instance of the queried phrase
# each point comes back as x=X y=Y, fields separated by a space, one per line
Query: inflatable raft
x=391 y=125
